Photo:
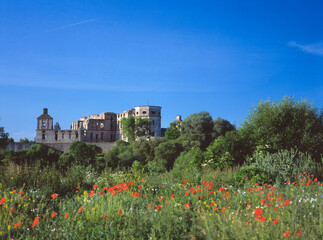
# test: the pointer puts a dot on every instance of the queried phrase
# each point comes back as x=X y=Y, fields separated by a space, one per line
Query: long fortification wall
x=62 y=147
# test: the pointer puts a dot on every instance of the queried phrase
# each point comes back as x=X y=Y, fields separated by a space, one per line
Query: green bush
x=252 y=175
x=285 y=164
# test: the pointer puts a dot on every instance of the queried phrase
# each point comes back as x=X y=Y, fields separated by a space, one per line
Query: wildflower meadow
x=133 y=206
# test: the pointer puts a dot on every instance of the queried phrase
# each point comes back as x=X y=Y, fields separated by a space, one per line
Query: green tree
x=199 y=123
x=142 y=127
x=4 y=138
x=167 y=152
x=57 y=126
x=133 y=128
x=221 y=127
x=84 y=153
x=173 y=132
x=288 y=124
x=128 y=127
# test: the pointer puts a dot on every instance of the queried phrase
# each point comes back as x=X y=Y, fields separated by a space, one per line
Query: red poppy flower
x=140 y=187
x=223 y=209
x=130 y=184
x=12 y=210
x=287 y=234
x=120 y=212
x=201 y=196
x=181 y=185
x=136 y=194
x=172 y=197
x=249 y=204
x=187 y=205
x=95 y=186
x=167 y=201
x=186 y=193
x=53 y=214
x=142 y=180
x=66 y=215
x=105 y=188
x=80 y=209
x=17 y=225
x=185 y=181
x=36 y=221
x=77 y=187
x=91 y=193
x=258 y=213
x=262 y=219
x=286 y=202
x=76 y=191
x=212 y=203
x=158 y=207
x=299 y=232
x=248 y=221
x=148 y=205
x=54 y=195
x=288 y=182
x=21 y=193
x=105 y=217
x=210 y=192
x=276 y=221
x=14 y=191
x=162 y=186
x=161 y=199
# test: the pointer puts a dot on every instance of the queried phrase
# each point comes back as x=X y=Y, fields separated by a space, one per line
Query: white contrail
x=71 y=25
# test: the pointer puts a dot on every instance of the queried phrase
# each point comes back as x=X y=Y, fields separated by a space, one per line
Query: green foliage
x=285 y=164
x=167 y=152
x=221 y=127
x=285 y=125
x=65 y=160
x=128 y=126
x=57 y=126
x=84 y=153
x=253 y=175
x=190 y=140
x=201 y=124
x=26 y=140
x=230 y=149
x=142 y=127
x=173 y=132
x=4 y=137
x=133 y=128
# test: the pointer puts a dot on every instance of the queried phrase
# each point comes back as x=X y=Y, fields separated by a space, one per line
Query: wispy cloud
x=71 y=25
x=112 y=87
x=313 y=48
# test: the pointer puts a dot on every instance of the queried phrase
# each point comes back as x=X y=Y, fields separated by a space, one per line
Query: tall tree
x=199 y=123
x=128 y=127
x=221 y=127
x=4 y=138
x=133 y=128
x=57 y=126
x=173 y=132
x=285 y=125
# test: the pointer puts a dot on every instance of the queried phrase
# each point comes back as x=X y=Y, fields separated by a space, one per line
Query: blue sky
x=83 y=57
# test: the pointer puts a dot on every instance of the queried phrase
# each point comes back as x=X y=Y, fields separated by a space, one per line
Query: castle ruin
x=101 y=129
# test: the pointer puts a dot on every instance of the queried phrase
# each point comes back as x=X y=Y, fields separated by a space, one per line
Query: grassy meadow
x=135 y=206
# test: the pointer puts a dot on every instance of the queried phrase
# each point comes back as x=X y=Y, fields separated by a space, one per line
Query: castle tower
x=44 y=127
x=154 y=114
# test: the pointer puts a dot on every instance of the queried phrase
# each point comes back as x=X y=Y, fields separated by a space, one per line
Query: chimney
x=45 y=110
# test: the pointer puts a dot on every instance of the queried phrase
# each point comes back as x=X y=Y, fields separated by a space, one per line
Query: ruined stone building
x=103 y=128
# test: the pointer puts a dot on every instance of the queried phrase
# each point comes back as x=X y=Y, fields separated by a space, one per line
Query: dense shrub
x=285 y=164
x=285 y=125
x=253 y=175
